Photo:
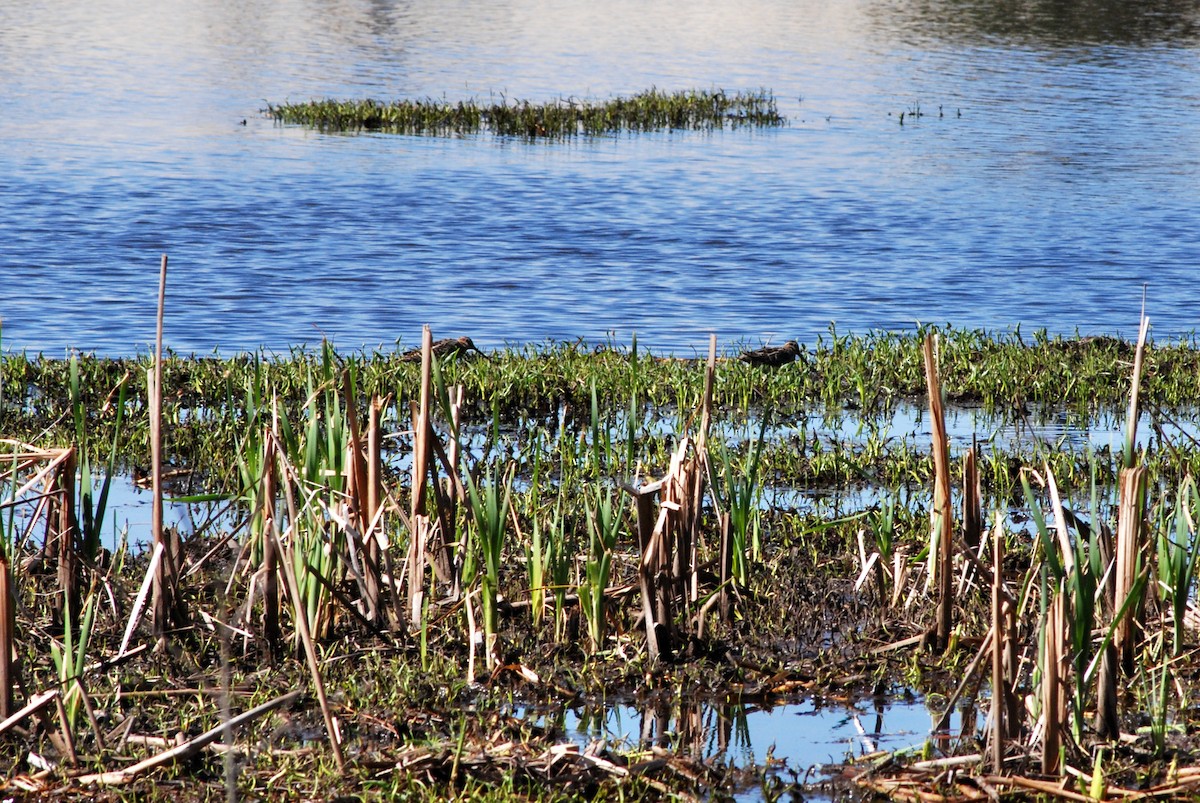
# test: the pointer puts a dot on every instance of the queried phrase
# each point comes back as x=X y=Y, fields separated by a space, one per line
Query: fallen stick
x=38 y=702
x=186 y=749
x=1045 y=787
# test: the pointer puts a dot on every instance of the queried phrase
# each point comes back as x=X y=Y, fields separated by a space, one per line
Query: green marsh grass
x=1178 y=547
x=651 y=110
x=604 y=527
x=556 y=429
x=490 y=504
x=739 y=489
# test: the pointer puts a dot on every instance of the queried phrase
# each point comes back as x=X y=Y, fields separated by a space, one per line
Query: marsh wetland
x=573 y=570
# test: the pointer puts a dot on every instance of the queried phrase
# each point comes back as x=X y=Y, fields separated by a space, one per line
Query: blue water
x=1054 y=172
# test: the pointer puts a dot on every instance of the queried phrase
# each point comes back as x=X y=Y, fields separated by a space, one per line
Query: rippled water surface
x=1054 y=170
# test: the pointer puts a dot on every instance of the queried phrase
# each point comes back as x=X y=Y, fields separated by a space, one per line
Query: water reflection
x=1042 y=23
x=800 y=735
x=1076 y=157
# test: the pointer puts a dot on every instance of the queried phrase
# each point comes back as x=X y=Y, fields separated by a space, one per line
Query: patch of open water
x=1044 y=171
x=806 y=739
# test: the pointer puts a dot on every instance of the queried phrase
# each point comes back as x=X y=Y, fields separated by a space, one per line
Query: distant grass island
x=651 y=110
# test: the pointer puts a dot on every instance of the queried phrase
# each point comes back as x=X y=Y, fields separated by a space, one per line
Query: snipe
x=773 y=356
x=450 y=347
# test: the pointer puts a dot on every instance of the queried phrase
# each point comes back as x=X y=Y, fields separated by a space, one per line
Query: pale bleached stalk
x=941 y=514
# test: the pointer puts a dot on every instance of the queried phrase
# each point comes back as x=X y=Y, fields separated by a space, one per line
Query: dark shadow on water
x=1043 y=23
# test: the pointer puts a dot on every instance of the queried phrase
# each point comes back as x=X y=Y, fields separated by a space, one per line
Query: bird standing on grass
x=773 y=356
x=450 y=347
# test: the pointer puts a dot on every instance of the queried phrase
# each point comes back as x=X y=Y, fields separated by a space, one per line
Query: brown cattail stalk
x=1054 y=704
x=7 y=637
x=942 y=517
x=999 y=639
x=418 y=521
x=165 y=606
x=272 y=633
x=63 y=491
x=1130 y=528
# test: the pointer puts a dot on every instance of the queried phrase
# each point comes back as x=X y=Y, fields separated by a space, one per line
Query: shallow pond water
x=807 y=739
x=1045 y=169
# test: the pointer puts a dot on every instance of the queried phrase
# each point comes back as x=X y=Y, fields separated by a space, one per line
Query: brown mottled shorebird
x=450 y=347
x=773 y=356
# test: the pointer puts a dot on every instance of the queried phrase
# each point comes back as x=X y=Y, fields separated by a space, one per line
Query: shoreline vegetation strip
x=522 y=569
x=564 y=118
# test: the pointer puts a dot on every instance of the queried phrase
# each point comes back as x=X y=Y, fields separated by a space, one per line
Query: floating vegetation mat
x=652 y=110
x=413 y=569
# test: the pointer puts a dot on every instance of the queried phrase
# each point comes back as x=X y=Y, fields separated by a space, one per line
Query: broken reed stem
x=999 y=639
x=358 y=504
x=710 y=371
x=942 y=517
x=7 y=637
x=1054 y=705
x=372 y=558
x=34 y=706
x=419 y=523
x=1130 y=527
x=649 y=564
x=972 y=510
x=63 y=490
x=272 y=631
x=163 y=577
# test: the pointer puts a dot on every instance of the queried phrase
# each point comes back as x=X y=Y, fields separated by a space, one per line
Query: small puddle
x=129 y=511
x=808 y=739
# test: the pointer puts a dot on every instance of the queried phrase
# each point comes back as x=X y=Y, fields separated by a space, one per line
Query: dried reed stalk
x=372 y=557
x=650 y=567
x=726 y=569
x=68 y=737
x=62 y=491
x=7 y=637
x=1054 y=703
x=941 y=513
x=418 y=521
x=1130 y=528
x=1000 y=638
x=678 y=525
x=166 y=608
x=36 y=705
x=358 y=509
x=972 y=510
x=1108 y=714
x=272 y=632
x=698 y=490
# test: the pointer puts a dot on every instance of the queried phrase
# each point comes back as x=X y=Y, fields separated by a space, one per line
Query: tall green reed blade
x=560 y=556
x=739 y=495
x=71 y=657
x=92 y=506
x=538 y=551
x=489 y=509
x=604 y=524
x=320 y=455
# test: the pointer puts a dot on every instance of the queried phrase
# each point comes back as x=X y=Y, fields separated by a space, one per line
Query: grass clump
x=651 y=110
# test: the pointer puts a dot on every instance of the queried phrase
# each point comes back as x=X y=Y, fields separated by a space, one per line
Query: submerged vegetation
x=652 y=110
x=407 y=554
